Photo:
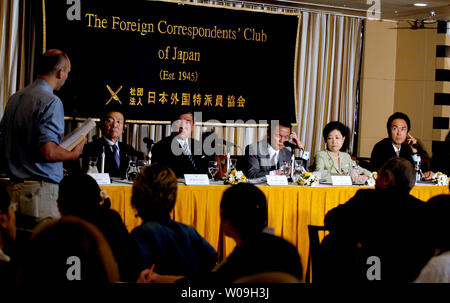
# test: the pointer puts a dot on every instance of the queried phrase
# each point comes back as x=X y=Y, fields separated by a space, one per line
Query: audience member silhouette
x=172 y=247
x=385 y=222
x=437 y=269
x=7 y=238
x=441 y=157
x=243 y=212
x=80 y=195
x=65 y=251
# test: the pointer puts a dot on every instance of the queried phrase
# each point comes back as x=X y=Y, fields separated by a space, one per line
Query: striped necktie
x=187 y=152
x=116 y=154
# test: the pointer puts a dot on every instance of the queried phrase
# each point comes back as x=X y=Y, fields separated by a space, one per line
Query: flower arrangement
x=307 y=179
x=371 y=180
x=235 y=177
x=440 y=179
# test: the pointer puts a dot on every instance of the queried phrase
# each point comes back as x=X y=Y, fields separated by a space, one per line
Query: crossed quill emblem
x=113 y=94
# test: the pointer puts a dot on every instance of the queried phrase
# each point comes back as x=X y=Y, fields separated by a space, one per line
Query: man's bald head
x=397 y=173
x=54 y=67
x=52 y=61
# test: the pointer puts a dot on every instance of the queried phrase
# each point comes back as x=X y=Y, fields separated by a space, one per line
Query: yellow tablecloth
x=291 y=209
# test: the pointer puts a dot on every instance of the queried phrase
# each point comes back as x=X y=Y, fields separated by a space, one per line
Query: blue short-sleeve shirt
x=33 y=116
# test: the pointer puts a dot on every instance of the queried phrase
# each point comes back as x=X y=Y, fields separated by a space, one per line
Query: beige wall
x=377 y=83
x=398 y=75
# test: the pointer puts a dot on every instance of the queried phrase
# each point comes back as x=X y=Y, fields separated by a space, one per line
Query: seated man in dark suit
x=386 y=223
x=117 y=154
x=179 y=151
x=266 y=157
x=399 y=144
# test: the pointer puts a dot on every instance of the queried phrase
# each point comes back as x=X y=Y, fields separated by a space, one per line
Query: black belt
x=18 y=180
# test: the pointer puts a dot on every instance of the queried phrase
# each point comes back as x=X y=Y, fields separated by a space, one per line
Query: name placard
x=196 y=179
x=278 y=180
x=101 y=179
x=341 y=180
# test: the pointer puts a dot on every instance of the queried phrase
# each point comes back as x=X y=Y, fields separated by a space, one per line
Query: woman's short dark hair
x=341 y=128
x=154 y=191
x=245 y=206
x=397 y=115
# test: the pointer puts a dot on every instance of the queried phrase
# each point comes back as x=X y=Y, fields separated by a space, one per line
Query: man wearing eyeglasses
x=267 y=157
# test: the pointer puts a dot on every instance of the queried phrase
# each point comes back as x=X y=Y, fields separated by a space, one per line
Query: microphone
x=291 y=145
x=416 y=146
x=148 y=141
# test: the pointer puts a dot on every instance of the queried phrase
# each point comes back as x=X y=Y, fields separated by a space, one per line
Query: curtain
x=12 y=67
x=328 y=73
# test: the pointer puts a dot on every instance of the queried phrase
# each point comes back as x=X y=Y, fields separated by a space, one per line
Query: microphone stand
x=149 y=143
x=102 y=163
x=292 y=164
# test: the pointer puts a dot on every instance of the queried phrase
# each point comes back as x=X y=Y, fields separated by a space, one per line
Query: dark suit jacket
x=386 y=223
x=383 y=151
x=95 y=148
x=180 y=164
x=257 y=158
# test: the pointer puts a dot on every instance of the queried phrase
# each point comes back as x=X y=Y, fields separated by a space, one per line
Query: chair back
x=314 y=246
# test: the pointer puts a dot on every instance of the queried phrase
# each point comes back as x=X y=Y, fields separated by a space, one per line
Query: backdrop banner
x=150 y=58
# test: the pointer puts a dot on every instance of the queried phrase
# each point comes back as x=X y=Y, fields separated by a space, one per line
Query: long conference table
x=291 y=209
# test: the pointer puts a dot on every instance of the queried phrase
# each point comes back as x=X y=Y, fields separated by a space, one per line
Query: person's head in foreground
x=68 y=250
x=243 y=211
x=154 y=192
x=78 y=195
x=7 y=219
x=397 y=173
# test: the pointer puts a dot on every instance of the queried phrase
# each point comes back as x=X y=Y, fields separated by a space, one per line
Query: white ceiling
x=390 y=9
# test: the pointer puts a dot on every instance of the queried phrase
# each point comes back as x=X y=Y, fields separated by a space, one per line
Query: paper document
x=75 y=137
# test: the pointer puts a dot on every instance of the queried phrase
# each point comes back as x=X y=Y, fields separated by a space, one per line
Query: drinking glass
x=233 y=163
x=141 y=164
x=92 y=165
x=298 y=170
x=284 y=169
x=355 y=175
x=132 y=169
x=213 y=168
x=346 y=169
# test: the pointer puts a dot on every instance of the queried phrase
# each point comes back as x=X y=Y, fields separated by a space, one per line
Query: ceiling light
x=420 y=4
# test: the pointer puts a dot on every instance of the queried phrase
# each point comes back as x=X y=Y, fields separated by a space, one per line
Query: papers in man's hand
x=75 y=137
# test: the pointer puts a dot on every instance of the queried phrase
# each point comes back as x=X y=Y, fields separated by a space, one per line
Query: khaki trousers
x=36 y=199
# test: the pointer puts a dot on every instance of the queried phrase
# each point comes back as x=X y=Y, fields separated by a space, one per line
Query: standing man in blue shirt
x=30 y=133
